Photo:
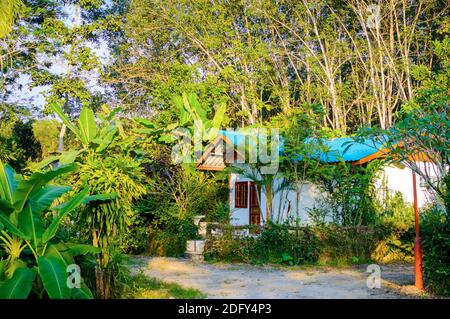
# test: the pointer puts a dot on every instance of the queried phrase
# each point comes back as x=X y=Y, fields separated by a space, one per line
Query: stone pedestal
x=194 y=249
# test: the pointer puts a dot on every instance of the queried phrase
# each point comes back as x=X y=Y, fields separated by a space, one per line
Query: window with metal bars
x=241 y=195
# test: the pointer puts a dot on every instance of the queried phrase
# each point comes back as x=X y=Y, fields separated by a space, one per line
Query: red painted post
x=418 y=242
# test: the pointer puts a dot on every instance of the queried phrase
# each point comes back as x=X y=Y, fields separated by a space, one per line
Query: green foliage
x=118 y=174
x=170 y=239
x=346 y=245
x=435 y=232
x=23 y=204
x=46 y=133
x=395 y=210
x=177 y=195
x=222 y=212
x=268 y=57
x=166 y=230
x=423 y=127
x=107 y=165
x=319 y=244
x=9 y=9
x=110 y=163
x=190 y=114
x=275 y=244
x=19 y=286
x=135 y=240
x=18 y=144
x=142 y=287
x=93 y=136
x=397 y=217
x=350 y=196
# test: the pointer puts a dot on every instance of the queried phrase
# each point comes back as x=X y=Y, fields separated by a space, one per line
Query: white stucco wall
x=400 y=180
x=292 y=205
x=288 y=200
x=396 y=179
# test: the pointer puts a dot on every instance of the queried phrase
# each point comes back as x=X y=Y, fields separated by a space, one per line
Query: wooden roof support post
x=418 y=241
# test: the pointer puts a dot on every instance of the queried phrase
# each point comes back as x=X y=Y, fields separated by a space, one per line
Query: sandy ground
x=247 y=281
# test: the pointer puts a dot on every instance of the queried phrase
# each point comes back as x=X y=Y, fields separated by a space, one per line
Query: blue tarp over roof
x=347 y=149
x=337 y=149
x=239 y=138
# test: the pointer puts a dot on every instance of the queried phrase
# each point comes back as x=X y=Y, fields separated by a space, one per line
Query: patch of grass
x=142 y=287
x=134 y=261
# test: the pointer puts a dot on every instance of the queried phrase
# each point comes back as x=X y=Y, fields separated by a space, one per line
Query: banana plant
x=191 y=115
x=92 y=135
x=23 y=202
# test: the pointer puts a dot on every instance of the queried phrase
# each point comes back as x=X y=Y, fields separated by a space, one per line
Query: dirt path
x=247 y=281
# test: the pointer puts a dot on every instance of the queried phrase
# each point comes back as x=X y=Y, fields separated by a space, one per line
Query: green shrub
x=395 y=210
x=324 y=244
x=397 y=244
x=228 y=248
x=275 y=244
x=348 y=245
x=435 y=232
x=175 y=197
x=135 y=241
x=396 y=217
x=350 y=200
x=171 y=240
x=220 y=214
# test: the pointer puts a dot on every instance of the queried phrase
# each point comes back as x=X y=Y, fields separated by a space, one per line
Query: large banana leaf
x=35 y=182
x=81 y=249
x=219 y=116
x=62 y=252
x=188 y=107
x=211 y=128
x=65 y=158
x=6 y=207
x=19 y=286
x=66 y=208
x=2 y=269
x=8 y=183
x=69 y=157
x=54 y=277
x=88 y=128
x=42 y=199
x=82 y=293
x=11 y=227
x=65 y=253
x=183 y=115
x=59 y=251
x=198 y=110
x=44 y=163
x=58 y=110
x=31 y=225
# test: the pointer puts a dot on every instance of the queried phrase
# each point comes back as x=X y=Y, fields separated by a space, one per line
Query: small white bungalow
x=248 y=203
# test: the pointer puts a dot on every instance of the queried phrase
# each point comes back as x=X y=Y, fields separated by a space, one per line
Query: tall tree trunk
x=103 y=276
x=62 y=133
